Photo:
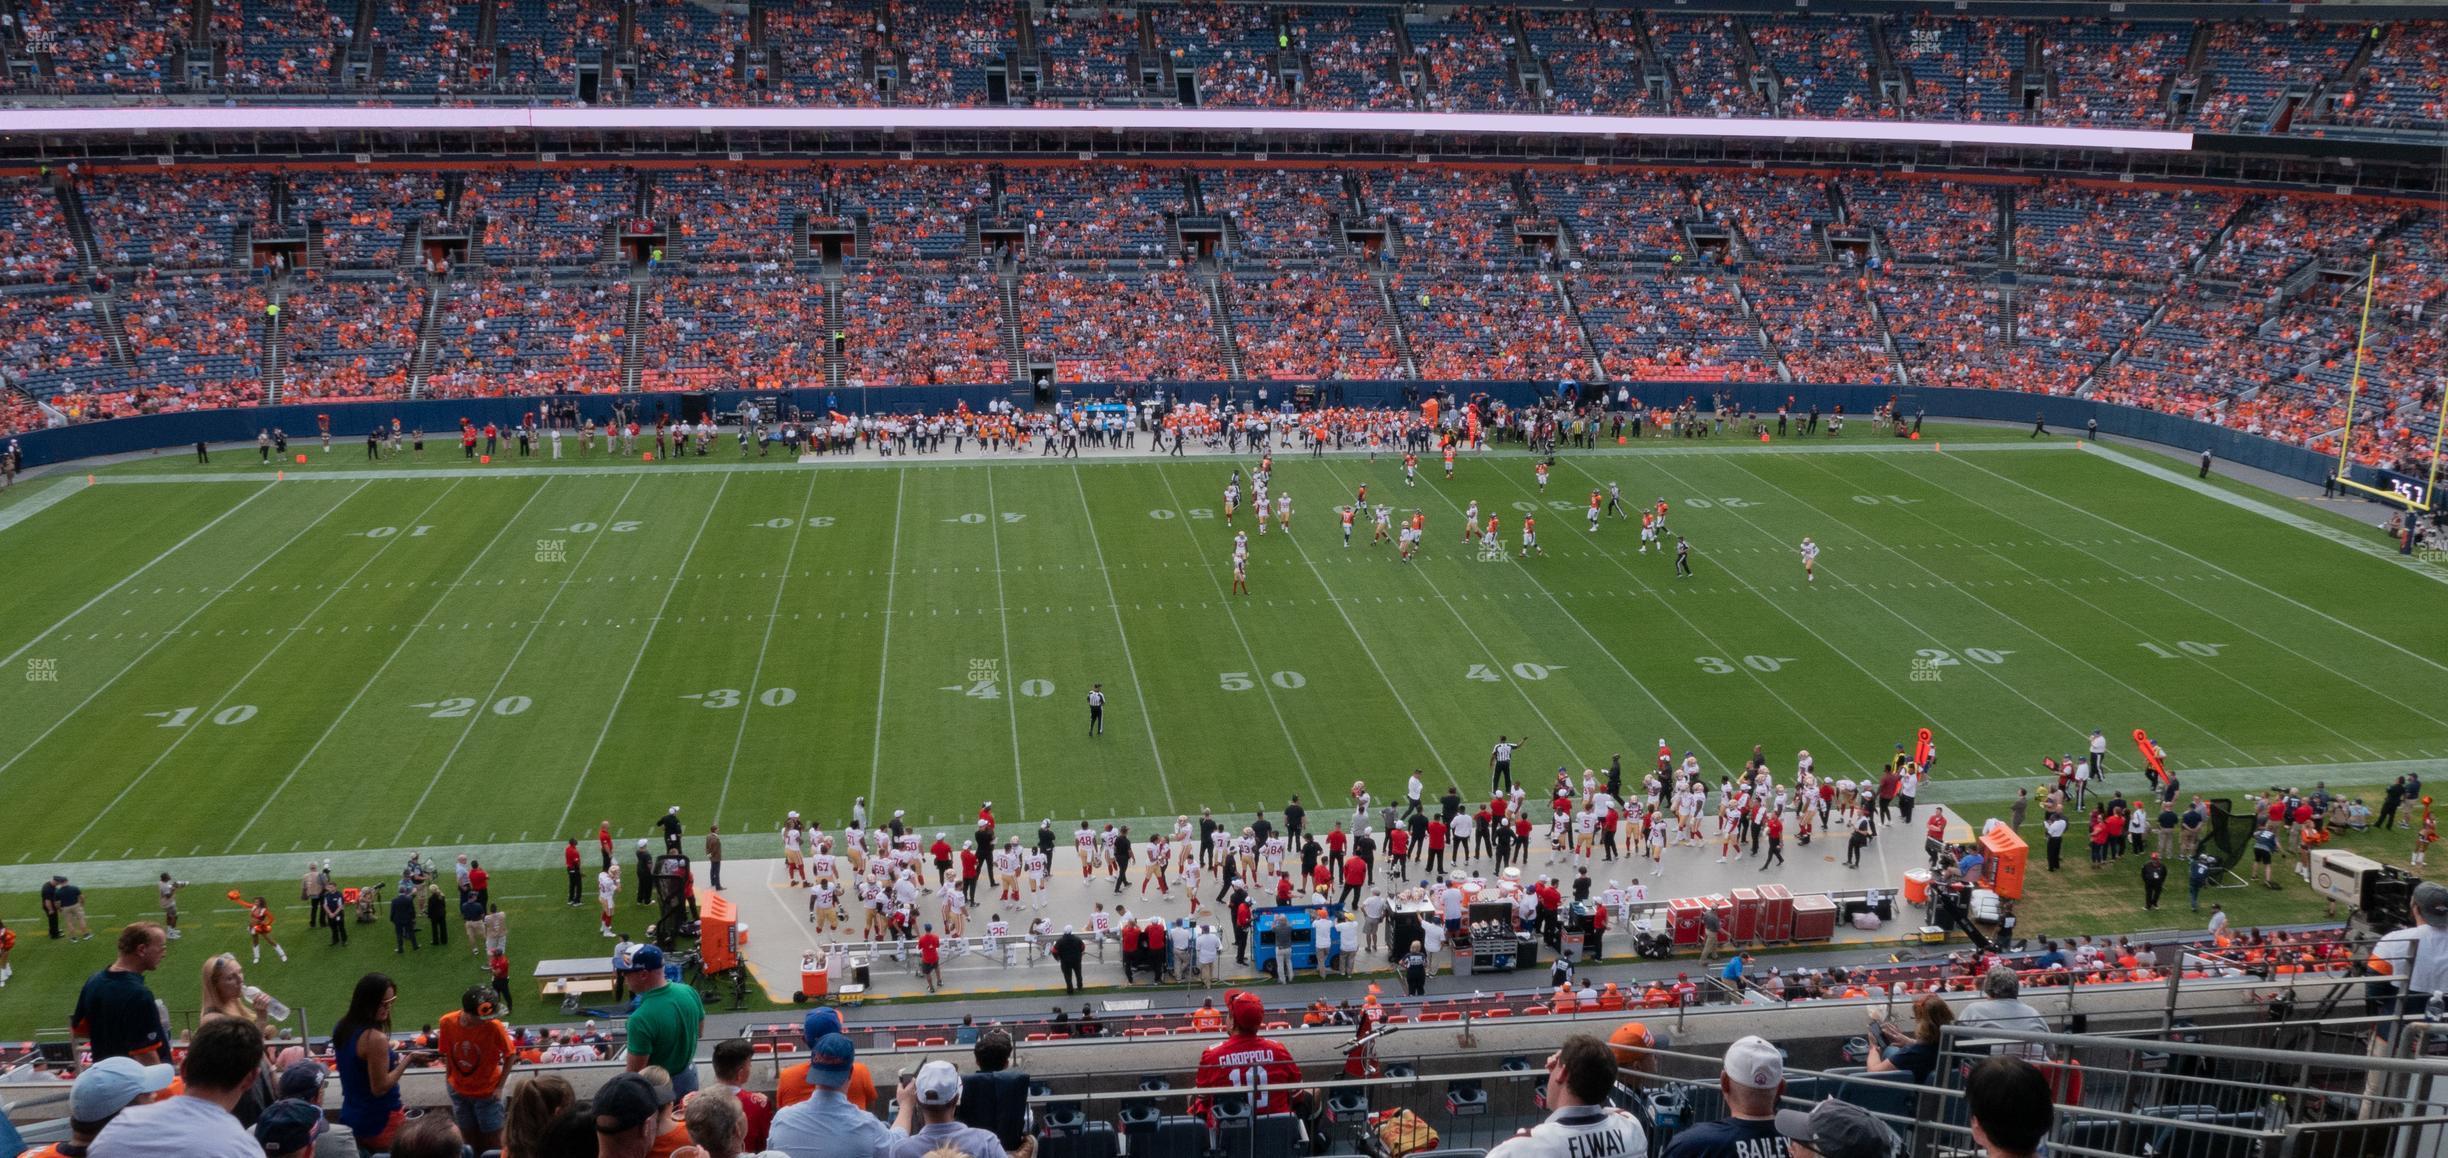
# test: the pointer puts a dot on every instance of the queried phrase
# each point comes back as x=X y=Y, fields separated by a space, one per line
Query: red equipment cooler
x=1814 y=917
x=1745 y=926
x=1776 y=913
x=1683 y=913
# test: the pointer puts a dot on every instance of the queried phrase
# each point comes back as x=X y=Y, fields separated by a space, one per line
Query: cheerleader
x=259 y=930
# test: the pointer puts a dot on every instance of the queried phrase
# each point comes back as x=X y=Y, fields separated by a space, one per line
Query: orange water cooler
x=2007 y=855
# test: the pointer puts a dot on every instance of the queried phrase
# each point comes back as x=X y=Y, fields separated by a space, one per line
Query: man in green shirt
x=665 y=1022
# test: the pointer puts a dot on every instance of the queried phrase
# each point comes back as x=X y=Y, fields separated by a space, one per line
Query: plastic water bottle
x=273 y=1006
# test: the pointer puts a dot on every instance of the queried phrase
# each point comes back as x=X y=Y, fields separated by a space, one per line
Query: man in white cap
x=670 y=824
x=1580 y=1076
x=1752 y=1080
x=938 y=1087
x=1834 y=1129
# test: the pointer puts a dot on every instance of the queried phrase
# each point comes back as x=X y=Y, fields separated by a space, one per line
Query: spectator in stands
x=1752 y=1080
x=995 y=1098
x=534 y=1105
x=1834 y=1129
x=428 y=1136
x=100 y=1093
x=732 y=1058
x=1236 y=1059
x=2417 y=955
x=2011 y=1107
x=116 y=1012
x=796 y=1083
x=630 y=1112
x=369 y=1068
x=223 y=1057
x=717 y=1125
x=477 y=1050
x=292 y=1126
x=664 y=1023
x=828 y=1125
x=1580 y=1077
x=2002 y=1007
x=938 y=1091
x=1914 y=1054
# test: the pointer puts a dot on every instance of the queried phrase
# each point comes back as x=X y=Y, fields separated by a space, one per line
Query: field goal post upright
x=2424 y=499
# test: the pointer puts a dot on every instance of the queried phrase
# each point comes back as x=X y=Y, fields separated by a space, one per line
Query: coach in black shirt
x=1295 y=818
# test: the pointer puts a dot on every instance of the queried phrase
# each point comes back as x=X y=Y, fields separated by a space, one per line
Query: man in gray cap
x=2417 y=955
x=1834 y=1129
x=630 y=1113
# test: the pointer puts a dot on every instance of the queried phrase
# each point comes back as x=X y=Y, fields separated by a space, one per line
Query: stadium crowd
x=2094 y=69
x=1369 y=273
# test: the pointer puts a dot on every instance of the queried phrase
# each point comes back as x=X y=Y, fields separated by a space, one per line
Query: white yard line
x=368 y=685
x=1841 y=653
x=1011 y=693
x=1130 y=663
x=2110 y=559
x=2171 y=592
x=149 y=565
x=493 y=694
x=52 y=496
x=223 y=699
x=1265 y=686
x=2246 y=580
x=1561 y=736
x=2309 y=526
x=1361 y=638
x=756 y=674
x=644 y=646
x=175 y=628
x=1691 y=736
x=892 y=569
x=2045 y=638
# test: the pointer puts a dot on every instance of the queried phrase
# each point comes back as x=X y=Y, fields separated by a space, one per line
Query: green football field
x=204 y=662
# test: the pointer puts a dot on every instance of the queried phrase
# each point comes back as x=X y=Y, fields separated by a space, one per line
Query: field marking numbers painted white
x=2043 y=637
x=2140 y=628
x=1234 y=618
x=221 y=701
x=368 y=685
x=1455 y=610
x=643 y=646
x=2213 y=566
x=756 y=674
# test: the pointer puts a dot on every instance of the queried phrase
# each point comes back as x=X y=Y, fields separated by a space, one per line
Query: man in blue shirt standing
x=827 y=1125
